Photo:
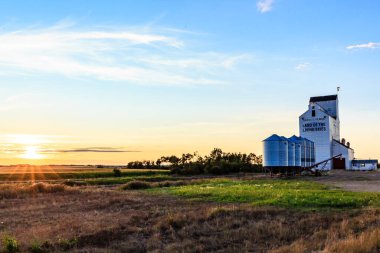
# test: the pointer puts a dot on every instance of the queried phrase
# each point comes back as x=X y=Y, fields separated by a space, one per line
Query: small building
x=364 y=164
x=347 y=155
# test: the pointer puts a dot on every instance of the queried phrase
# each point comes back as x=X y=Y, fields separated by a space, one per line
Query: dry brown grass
x=137 y=184
x=354 y=233
x=95 y=219
x=8 y=191
x=368 y=241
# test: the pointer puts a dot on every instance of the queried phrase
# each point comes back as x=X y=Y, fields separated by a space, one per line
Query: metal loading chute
x=324 y=162
x=293 y=171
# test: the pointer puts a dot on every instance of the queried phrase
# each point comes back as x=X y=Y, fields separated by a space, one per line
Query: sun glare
x=28 y=139
x=32 y=152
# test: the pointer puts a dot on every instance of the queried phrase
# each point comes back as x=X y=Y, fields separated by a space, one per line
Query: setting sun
x=31 y=152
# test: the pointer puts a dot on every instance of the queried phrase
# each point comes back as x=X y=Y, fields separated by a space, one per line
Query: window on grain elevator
x=313 y=113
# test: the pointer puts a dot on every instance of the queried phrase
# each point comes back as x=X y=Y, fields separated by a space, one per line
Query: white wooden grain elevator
x=319 y=127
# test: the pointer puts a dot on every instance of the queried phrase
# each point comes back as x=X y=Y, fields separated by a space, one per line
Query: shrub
x=47 y=188
x=170 y=183
x=218 y=212
x=37 y=247
x=74 y=183
x=10 y=244
x=191 y=169
x=117 y=172
x=255 y=168
x=136 y=185
x=216 y=170
x=67 y=244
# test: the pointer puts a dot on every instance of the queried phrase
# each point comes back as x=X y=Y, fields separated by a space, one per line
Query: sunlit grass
x=97 y=176
x=282 y=193
x=31 y=173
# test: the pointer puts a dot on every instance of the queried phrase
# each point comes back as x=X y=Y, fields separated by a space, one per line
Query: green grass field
x=95 y=176
x=156 y=177
x=283 y=193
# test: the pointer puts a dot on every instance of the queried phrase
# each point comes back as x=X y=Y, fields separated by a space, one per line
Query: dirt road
x=361 y=181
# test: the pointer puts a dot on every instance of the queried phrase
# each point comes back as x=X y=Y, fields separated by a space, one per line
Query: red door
x=339 y=163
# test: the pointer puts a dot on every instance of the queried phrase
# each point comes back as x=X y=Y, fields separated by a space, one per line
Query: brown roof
x=324 y=98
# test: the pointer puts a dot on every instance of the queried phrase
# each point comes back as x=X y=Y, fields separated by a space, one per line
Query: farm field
x=59 y=173
x=282 y=193
x=164 y=213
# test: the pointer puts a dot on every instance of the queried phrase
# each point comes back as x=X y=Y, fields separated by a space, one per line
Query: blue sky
x=164 y=77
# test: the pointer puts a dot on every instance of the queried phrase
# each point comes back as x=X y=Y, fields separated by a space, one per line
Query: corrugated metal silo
x=313 y=153
x=275 y=151
x=297 y=151
x=291 y=153
x=306 y=147
x=303 y=151
x=309 y=145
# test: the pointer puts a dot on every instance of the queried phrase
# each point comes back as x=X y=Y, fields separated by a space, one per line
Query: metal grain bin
x=291 y=153
x=303 y=152
x=308 y=159
x=313 y=153
x=302 y=142
x=275 y=151
x=297 y=151
x=307 y=152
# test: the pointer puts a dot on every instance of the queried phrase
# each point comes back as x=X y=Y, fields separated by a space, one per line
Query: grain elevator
x=319 y=144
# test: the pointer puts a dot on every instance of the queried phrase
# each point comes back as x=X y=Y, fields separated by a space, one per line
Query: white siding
x=331 y=107
x=319 y=129
x=347 y=153
x=365 y=166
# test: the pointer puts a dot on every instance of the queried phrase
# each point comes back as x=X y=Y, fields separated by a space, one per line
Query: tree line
x=217 y=162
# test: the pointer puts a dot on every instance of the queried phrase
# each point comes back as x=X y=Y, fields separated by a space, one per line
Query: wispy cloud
x=17 y=149
x=87 y=150
x=369 y=45
x=264 y=5
x=135 y=55
x=302 y=66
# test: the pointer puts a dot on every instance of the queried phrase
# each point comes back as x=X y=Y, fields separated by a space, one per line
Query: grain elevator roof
x=323 y=98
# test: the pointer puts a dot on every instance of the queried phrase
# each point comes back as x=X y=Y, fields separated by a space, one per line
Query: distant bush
x=75 y=183
x=117 y=172
x=136 y=185
x=171 y=183
x=145 y=164
x=10 y=244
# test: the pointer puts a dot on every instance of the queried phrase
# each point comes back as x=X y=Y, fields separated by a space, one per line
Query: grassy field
x=59 y=173
x=282 y=193
x=238 y=213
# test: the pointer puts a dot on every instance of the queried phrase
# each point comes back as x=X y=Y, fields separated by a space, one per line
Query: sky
x=108 y=82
